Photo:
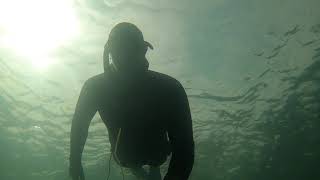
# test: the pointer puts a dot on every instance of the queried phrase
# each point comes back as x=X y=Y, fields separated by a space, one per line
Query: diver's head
x=127 y=50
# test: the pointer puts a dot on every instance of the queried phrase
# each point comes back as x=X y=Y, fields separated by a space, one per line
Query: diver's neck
x=128 y=77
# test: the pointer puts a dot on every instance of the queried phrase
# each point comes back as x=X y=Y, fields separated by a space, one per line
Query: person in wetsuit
x=146 y=113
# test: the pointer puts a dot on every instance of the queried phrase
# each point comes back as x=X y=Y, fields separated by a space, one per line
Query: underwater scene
x=250 y=69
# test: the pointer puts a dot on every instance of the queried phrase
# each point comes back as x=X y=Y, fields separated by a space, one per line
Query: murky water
x=251 y=70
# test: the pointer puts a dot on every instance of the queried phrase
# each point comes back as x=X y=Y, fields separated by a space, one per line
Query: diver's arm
x=84 y=112
x=181 y=138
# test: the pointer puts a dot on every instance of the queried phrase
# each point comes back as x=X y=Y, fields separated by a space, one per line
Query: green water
x=251 y=70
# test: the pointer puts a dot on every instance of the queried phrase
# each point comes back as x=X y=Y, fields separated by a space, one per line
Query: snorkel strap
x=108 y=64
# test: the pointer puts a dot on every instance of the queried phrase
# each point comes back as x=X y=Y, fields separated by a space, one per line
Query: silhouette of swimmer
x=146 y=113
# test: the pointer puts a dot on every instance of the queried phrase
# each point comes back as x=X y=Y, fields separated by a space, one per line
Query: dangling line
x=116 y=156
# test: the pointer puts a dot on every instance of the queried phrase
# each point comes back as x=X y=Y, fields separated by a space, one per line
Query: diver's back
x=142 y=110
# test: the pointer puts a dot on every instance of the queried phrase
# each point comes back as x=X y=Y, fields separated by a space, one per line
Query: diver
x=146 y=113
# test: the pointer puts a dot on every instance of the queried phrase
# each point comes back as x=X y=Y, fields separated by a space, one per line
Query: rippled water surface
x=251 y=70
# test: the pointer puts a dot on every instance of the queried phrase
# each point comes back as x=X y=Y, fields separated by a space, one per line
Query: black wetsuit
x=153 y=114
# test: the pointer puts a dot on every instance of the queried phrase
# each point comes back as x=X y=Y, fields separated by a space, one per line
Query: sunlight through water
x=34 y=29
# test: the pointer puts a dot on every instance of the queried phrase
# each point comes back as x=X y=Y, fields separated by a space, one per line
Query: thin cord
x=116 y=157
x=109 y=169
x=115 y=153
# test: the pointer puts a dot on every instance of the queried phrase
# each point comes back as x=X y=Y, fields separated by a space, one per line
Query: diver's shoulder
x=95 y=80
x=98 y=77
x=161 y=76
x=164 y=78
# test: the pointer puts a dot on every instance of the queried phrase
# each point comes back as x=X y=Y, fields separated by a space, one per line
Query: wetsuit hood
x=126 y=39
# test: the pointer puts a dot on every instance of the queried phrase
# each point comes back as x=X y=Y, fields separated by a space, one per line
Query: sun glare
x=35 y=28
